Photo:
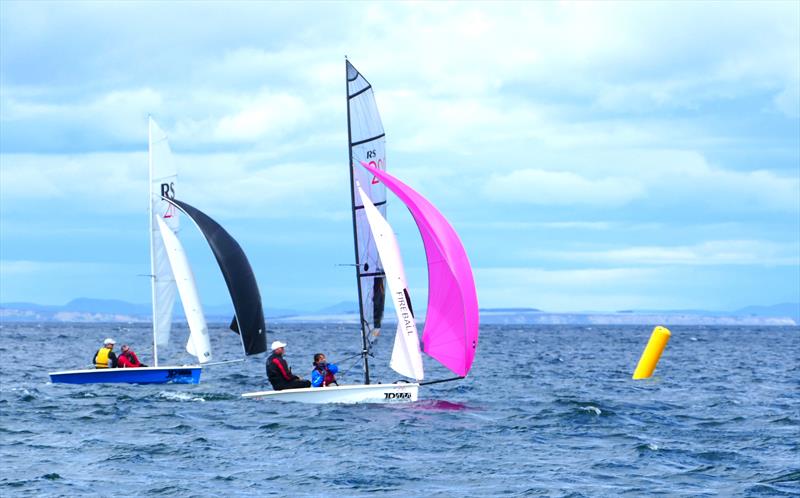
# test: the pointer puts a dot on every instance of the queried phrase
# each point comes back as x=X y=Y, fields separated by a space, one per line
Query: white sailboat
x=171 y=272
x=451 y=329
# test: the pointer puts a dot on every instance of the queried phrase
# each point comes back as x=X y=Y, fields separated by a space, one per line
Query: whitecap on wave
x=173 y=396
x=593 y=409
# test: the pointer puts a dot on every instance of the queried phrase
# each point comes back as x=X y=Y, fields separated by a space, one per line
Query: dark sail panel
x=239 y=278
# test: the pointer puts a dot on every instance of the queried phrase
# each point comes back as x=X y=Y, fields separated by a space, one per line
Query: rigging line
x=222 y=362
x=343 y=374
x=350 y=357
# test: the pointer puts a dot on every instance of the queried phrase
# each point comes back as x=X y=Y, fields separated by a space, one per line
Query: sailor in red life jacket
x=128 y=359
x=279 y=373
x=322 y=375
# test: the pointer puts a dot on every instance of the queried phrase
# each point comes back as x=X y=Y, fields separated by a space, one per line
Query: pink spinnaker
x=451 y=326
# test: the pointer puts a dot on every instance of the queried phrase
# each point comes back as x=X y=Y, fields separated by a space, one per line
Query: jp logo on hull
x=398 y=396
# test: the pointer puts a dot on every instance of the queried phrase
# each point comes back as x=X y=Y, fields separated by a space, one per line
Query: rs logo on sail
x=168 y=190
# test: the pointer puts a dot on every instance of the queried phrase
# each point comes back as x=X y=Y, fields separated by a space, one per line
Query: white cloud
x=575 y=105
x=102 y=182
x=561 y=188
x=119 y=113
x=17 y=268
x=457 y=68
x=246 y=185
x=554 y=225
x=711 y=253
x=567 y=290
x=669 y=177
x=262 y=116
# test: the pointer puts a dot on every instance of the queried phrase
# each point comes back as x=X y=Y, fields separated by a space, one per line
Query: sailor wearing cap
x=105 y=357
x=278 y=371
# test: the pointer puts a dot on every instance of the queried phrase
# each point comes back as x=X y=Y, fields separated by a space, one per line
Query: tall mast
x=152 y=242
x=364 y=342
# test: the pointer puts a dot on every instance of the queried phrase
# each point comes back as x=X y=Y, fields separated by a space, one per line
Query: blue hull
x=147 y=375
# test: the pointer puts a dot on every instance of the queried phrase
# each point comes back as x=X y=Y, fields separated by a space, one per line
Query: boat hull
x=369 y=393
x=143 y=375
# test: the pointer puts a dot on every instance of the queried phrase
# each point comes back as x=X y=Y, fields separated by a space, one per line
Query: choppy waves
x=546 y=411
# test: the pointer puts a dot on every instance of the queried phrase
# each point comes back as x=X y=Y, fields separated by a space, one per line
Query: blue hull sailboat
x=143 y=375
x=171 y=275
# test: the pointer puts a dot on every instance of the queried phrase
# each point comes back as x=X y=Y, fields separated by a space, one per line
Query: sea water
x=546 y=411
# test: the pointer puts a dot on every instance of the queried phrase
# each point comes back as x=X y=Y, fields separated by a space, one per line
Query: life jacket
x=327 y=375
x=101 y=360
x=128 y=359
x=329 y=379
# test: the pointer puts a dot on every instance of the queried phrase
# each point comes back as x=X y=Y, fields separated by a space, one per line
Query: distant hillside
x=792 y=310
x=343 y=307
x=110 y=310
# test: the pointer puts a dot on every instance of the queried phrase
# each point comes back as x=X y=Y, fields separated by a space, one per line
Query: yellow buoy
x=652 y=353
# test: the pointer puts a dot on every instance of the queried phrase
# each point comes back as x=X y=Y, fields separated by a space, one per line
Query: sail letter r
x=168 y=190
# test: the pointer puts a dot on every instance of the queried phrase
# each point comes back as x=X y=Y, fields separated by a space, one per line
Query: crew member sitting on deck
x=279 y=373
x=105 y=357
x=322 y=375
x=128 y=359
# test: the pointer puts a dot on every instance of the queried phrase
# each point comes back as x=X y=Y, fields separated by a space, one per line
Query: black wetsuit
x=281 y=376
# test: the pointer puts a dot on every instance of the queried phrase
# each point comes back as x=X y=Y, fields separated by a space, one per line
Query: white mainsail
x=406 y=357
x=199 y=344
x=367 y=142
x=163 y=175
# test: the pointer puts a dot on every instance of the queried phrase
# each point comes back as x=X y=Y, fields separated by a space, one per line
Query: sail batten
x=451 y=326
x=239 y=278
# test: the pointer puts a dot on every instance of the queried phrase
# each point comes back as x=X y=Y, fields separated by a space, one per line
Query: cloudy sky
x=592 y=156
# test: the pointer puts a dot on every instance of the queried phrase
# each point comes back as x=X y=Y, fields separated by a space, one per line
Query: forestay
x=406 y=359
x=199 y=344
x=242 y=286
x=451 y=325
x=367 y=143
x=163 y=176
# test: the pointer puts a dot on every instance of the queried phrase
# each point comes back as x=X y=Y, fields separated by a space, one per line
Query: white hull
x=371 y=393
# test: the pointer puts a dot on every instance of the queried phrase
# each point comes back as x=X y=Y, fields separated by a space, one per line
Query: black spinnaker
x=249 y=320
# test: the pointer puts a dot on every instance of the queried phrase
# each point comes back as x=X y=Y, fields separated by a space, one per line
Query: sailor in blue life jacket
x=279 y=373
x=105 y=357
x=322 y=375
